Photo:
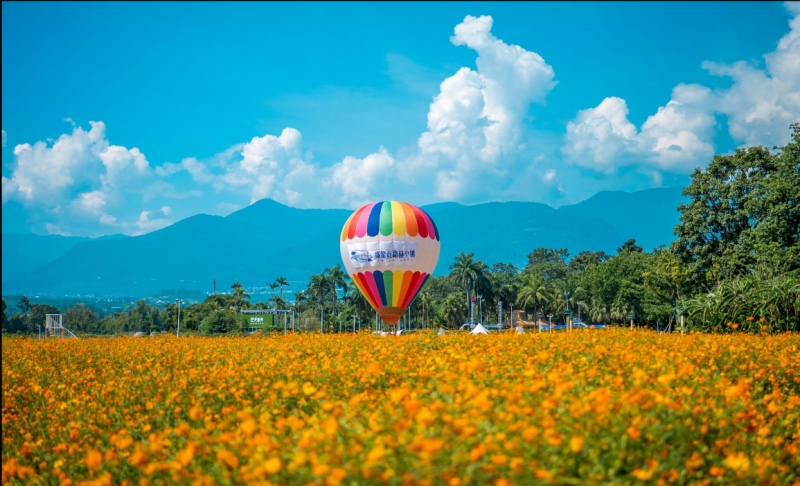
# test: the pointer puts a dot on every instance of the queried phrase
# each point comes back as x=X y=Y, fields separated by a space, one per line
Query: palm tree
x=300 y=299
x=316 y=286
x=620 y=310
x=534 y=291
x=272 y=287
x=452 y=311
x=598 y=311
x=336 y=278
x=239 y=293
x=278 y=303
x=465 y=271
x=282 y=282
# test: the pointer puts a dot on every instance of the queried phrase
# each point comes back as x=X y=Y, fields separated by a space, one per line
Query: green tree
x=6 y=327
x=453 y=310
x=38 y=316
x=80 y=318
x=283 y=283
x=316 y=288
x=24 y=305
x=239 y=294
x=742 y=204
x=336 y=279
x=533 y=292
x=586 y=259
x=219 y=322
x=548 y=263
x=630 y=245
x=465 y=271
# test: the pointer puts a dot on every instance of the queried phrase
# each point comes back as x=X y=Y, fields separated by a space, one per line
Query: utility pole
x=550 y=316
x=512 y=316
x=480 y=308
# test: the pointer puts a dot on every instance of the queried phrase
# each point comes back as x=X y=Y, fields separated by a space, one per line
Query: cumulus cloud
x=355 y=177
x=80 y=179
x=150 y=221
x=760 y=105
x=475 y=127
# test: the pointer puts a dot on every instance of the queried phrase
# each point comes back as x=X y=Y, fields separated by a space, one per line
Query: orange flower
x=716 y=471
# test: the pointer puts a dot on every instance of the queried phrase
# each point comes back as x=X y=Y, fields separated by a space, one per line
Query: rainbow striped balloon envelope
x=390 y=249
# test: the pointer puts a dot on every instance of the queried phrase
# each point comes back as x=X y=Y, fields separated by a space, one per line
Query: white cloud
x=147 y=225
x=760 y=105
x=166 y=210
x=227 y=207
x=83 y=173
x=55 y=230
x=198 y=170
x=5 y=138
x=475 y=124
x=91 y=202
x=355 y=178
x=600 y=137
x=9 y=188
x=549 y=175
x=676 y=138
x=45 y=174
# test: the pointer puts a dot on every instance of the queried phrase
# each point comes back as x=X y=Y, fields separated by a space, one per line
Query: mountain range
x=265 y=240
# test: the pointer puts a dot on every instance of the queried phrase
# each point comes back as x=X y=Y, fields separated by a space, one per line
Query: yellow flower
x=576 y=444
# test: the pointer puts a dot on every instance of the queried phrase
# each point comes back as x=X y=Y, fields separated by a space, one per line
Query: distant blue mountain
x=265 y=240
x=23 y=252
x=649 y=216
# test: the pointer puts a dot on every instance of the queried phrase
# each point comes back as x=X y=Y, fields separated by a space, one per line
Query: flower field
x=588 y=407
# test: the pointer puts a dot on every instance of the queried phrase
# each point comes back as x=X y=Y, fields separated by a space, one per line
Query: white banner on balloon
x=375 y=253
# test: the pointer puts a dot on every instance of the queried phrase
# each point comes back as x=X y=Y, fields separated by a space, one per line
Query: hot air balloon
x=389 y=249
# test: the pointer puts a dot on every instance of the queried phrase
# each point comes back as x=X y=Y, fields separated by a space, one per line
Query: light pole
x=550 y=316
x=512 y=316
x=179 y=302
x=579 y=312
x=566 y=314
x=354 y=323
x=472 y=311
x=631 y=316
x=480 y=309
x=500 y=314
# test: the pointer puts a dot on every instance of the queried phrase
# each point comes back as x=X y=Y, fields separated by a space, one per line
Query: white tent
x=479 y=329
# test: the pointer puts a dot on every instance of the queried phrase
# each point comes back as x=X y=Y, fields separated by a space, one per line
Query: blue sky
x=125 y=117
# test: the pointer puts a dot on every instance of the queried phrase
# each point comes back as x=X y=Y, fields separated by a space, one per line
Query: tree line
x=735 y=266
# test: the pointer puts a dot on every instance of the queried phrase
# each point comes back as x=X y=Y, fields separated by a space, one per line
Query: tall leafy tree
x=336 y=278
x=465 y=271
x=316 y=287
x=534 y=292
x=282 y=282
x=739 y=205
